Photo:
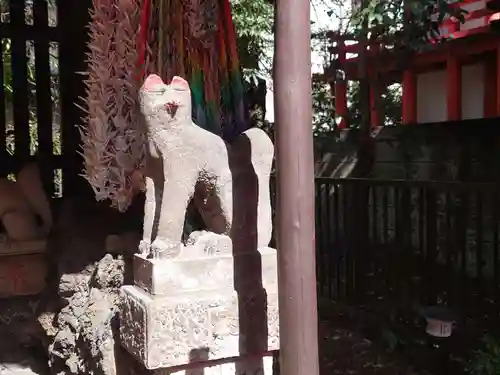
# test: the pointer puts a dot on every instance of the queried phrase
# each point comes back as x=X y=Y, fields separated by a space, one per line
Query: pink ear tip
x=151 y=81
x=179 y=81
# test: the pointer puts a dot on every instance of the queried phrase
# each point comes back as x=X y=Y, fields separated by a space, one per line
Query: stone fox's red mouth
x=171 y=108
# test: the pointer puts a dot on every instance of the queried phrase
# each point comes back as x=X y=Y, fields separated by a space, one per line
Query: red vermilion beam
x=461 y=48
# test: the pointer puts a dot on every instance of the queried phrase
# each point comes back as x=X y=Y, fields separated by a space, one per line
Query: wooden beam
x=295 y=190
x=390 y=61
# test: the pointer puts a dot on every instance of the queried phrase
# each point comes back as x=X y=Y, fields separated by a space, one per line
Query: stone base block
x=10 y=247
x=169 y=331
x=260 y=366
x=22 y=275
x=180 y=275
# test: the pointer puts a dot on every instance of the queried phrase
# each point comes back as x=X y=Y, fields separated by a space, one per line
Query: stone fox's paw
x=144 y=247
x=164 y=248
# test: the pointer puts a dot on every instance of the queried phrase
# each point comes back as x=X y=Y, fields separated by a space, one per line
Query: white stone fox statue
x=182 y=154
x=185 y=161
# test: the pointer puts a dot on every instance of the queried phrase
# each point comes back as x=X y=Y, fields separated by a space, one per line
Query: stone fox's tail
x=252 y=154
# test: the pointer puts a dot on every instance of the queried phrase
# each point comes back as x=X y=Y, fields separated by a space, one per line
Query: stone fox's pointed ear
x=151 y=81
x=179 y=82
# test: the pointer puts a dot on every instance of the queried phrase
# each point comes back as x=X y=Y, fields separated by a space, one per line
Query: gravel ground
x=344 y=352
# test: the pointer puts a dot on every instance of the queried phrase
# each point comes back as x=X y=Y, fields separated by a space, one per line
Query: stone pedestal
x=187 y=311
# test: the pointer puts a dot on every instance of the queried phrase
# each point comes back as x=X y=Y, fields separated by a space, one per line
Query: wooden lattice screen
x=43 y=55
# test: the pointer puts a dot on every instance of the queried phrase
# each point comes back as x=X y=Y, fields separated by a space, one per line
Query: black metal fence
x=394 y=247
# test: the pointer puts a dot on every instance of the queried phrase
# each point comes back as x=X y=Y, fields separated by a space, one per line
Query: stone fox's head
x=171 y=102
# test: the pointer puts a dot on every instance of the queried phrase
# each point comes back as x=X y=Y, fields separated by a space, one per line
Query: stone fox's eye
x=157 y=91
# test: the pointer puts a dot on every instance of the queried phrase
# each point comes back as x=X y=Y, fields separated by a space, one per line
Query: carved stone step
x=178 y=276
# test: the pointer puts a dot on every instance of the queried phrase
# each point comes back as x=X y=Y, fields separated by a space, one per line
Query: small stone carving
x=20 y=204
x=187 y=162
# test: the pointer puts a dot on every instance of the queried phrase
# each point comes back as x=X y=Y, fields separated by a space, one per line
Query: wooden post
x=295 y=190
x=72 y=61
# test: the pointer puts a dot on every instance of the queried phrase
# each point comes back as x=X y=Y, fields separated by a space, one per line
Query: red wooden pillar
x=374 y=91
x=497 y=99
x=341 y=86
x=490 y=87
x=374 y=114
x=453 y=88
x=409 y=100
x=453 y=83
x=409 y=115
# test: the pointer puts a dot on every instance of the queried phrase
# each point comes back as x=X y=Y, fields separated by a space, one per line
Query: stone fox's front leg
x=149 y=214
x=178 y=189
x=154 y=189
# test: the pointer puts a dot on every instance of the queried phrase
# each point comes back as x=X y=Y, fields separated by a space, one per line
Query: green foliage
x=486 y=360
x=385 y=20
x=253 y=20
x=323 y=108
x=8 y=91
x=421 y=21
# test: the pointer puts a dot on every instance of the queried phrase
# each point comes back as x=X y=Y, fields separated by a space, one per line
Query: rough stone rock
x=16 y=358
x=87 y=325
